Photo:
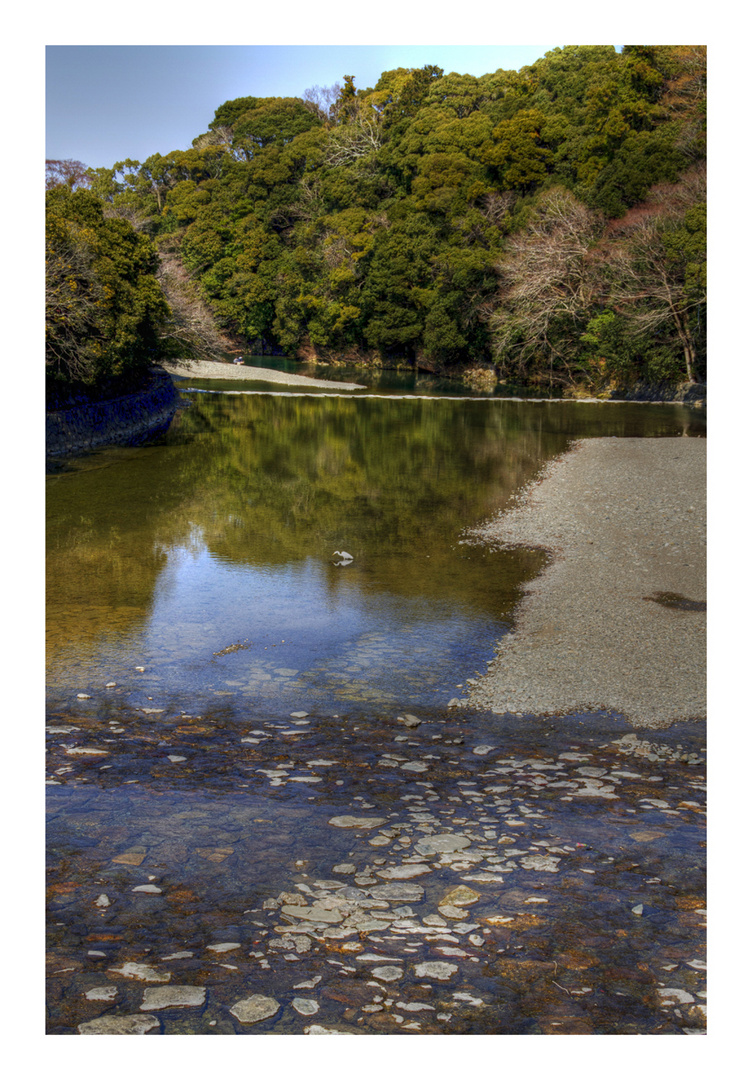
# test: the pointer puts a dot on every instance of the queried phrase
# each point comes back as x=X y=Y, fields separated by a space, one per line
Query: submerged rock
x=118 y=1025
x=435 y=969
x=348 y=821
x=253 y=1009
x=172 y=997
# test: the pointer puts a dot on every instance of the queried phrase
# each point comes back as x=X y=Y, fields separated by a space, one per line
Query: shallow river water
x=264 y=816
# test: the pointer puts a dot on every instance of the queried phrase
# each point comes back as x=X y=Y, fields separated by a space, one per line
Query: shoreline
x=209 y=369
x=624 y=521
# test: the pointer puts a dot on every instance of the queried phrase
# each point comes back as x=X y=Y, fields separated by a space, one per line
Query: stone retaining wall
x=124 y=421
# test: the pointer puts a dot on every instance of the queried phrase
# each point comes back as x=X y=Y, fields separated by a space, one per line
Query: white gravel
x=623 y=519
x=210 y=369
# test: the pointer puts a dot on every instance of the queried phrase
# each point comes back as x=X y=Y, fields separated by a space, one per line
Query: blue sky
x=109 y=102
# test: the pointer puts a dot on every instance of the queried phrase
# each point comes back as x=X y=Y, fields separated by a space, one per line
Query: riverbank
x=126 y=419
x=208 y=369
x=617 y=620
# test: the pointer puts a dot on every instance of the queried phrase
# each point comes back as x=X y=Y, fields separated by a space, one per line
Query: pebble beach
x=616 y=621
x=209 y=369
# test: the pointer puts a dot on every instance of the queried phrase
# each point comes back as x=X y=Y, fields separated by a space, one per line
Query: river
x=222 y=686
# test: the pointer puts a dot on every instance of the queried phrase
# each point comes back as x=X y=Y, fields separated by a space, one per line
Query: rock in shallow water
x=435 y=969
x=171 y=997
x=119 y=1025
x=252 y=1009
x=387 y=973
x=348 y=821
x=435 y=845
x=305 y=1006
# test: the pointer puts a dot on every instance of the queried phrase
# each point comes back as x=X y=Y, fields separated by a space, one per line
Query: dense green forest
x=544 y=227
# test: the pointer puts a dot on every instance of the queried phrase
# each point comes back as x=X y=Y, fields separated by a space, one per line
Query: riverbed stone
x=444 y=842
x=102 y=993
x=119 y=1025
x=397 y=891
x=405 y=871
x=305 y=1006
x=313 y=914
x=460 y=897
x=549 y=863
x=436 y=969
x=144 y=972
x=253 y=1009
x=350 y=821
x=388 y=973
x=173 y=997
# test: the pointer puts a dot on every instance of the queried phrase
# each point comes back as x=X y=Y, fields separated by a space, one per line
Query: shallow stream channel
x=264 y=814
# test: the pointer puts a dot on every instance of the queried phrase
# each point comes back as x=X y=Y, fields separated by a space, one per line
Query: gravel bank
x=209 y=369
x=624 y=520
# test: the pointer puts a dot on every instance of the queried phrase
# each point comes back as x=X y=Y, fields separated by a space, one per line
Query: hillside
x=541 y=227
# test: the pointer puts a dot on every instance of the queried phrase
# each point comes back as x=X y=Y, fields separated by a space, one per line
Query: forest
x=543 y=228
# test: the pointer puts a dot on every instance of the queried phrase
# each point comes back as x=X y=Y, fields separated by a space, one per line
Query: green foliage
x=104 y=305
x=400 y=219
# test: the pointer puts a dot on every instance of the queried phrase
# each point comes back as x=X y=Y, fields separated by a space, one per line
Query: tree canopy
x=520 y=220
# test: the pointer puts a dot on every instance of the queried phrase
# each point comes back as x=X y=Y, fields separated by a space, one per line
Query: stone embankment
x=125 y=420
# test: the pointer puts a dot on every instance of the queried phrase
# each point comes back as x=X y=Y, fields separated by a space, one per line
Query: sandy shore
x=207 y=369
x=624 y=521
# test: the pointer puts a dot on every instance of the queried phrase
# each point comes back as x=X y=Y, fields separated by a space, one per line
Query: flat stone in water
x=397 y=892
x=305 y=1006
x=143 y=972
x=435 y=969
x=541 y=862
x=313 y=914
x=172 y=997
x=255 y=1008
x=452 y=912
x=348 y=821
x=407 y=870
x=462 y=896
x=388 y=973
x=102 y=993
x=434 y=845
x=119 y=1025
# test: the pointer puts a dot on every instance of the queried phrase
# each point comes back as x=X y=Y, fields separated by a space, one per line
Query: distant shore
x=208 y=369
x=617 y=620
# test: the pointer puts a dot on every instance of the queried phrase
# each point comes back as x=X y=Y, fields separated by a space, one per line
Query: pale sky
x=105 y=103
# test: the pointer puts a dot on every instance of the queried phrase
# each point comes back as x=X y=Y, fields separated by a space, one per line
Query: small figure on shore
x=238 y=360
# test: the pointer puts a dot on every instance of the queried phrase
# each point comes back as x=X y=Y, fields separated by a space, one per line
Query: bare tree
x=655 y=264
x=191 y=327
x=546 y=289
x=74 y=174
x=73 y=298
x=354 y=140
x=320 y=100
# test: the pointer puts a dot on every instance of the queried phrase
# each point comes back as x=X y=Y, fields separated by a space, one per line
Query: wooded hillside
x=547 y=225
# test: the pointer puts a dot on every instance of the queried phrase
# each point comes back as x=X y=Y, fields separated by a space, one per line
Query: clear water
x=197 y=577
x=224 y=534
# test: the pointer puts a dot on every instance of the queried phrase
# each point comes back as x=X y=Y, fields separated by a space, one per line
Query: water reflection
x=224 y=533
